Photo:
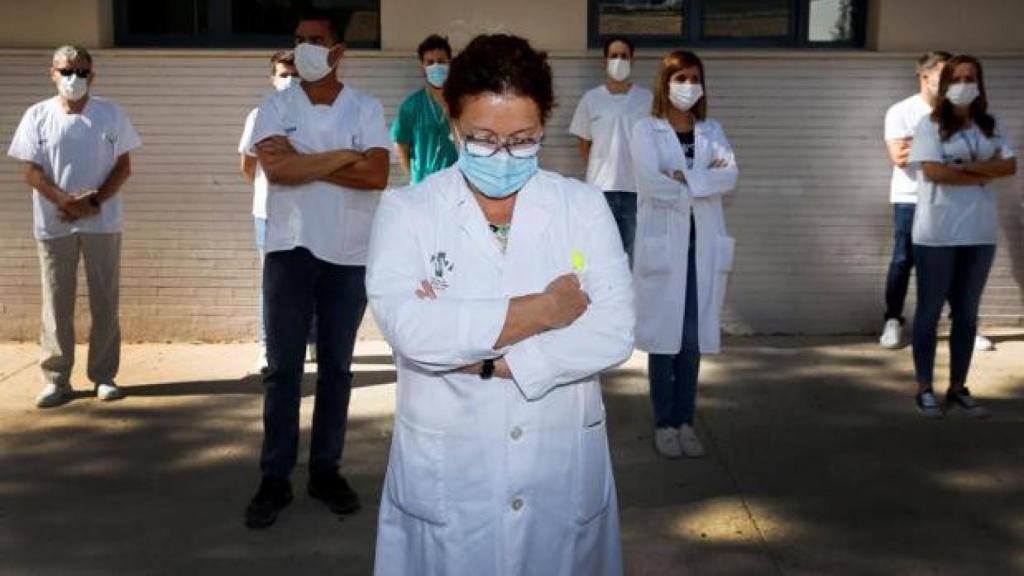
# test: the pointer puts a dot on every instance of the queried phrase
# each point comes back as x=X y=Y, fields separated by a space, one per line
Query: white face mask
x=311 y=61
x=72 y=87
x=619 y=69
x=285 y=82
x=684 y=95
x=962 y=94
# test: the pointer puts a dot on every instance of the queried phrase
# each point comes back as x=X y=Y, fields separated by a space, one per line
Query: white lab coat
x=663 y=233
x=497 y=477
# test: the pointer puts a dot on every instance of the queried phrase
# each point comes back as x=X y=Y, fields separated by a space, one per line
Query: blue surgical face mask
x=498 y=176
x=437 y=74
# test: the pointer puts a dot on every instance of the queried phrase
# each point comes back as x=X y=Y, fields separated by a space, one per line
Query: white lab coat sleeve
x=705 y=181
x=650 y=181
x=599 y=339
x=437 y=335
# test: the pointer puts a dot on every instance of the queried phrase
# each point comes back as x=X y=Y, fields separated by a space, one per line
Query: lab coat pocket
x=725 y=251
x=593 y=476
x=414 y=481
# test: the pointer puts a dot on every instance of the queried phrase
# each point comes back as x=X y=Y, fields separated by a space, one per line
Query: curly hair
x=500 y=64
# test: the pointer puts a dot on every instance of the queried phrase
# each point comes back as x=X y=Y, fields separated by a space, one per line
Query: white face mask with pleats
x=962 y=94
x=619 y=69
x=312 y=61
x=683 y=95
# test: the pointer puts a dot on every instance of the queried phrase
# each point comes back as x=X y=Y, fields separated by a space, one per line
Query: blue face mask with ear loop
x=498 y=176
x=436 y=74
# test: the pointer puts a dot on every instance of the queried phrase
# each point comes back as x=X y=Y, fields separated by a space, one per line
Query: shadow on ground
x=818 y=465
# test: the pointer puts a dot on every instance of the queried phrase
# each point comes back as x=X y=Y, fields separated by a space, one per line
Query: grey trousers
x=58 y=263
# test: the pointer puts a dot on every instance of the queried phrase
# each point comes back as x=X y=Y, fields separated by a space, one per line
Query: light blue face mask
x=437 y=74
x=498 y=176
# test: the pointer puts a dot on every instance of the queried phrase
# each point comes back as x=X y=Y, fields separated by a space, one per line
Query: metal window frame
x=692 y=33
x=220 y=34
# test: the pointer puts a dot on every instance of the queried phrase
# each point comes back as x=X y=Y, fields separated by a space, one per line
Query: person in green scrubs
x=421 y=132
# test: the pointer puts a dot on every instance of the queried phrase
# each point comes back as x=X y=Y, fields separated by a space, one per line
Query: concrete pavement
x=818 y=464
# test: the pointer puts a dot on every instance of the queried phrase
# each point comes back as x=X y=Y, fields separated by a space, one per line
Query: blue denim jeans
x=295 y=282
x=623 y=205
x=260 y=232
x=674 y=376
x=954 y=274
x=898 y=279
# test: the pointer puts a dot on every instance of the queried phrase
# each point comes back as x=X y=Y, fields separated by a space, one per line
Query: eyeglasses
x=516 y=147
x=80 y=72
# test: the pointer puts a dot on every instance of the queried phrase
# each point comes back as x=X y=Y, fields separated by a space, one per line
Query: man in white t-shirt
x=603 y=123
x=75 y=148
x=900 y=121
x=282 y=76
x=325 y=149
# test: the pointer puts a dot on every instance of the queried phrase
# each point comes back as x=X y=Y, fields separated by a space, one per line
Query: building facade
x=800 y=86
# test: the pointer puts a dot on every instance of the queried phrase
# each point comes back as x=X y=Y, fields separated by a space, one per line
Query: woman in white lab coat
x=683 y=254
x=504 y=291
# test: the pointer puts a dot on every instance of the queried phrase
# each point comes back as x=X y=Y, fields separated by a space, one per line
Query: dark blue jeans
x=674 y=376
x=954 y=274
x=623 y=205
x=898 y=279
x=294 y=283
x=260 y=230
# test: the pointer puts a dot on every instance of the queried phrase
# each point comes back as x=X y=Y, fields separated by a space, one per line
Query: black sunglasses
x=80 y=72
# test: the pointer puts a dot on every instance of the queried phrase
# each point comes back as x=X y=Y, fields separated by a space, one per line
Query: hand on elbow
x=566 y=301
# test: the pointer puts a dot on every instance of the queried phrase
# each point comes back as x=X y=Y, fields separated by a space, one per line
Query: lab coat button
x=516 y=433
x=518 y=504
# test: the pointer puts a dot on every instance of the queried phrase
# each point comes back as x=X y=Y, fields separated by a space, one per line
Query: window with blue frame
x=235 y=23
x=741 y=23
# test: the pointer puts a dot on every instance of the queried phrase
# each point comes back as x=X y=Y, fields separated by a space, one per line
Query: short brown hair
x=284 y=57
x=930 y=60
x=674 y=62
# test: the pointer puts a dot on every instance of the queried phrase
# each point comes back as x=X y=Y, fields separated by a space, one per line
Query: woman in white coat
x=683 y=254
x=504 y=291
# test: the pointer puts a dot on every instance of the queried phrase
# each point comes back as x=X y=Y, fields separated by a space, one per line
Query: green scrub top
x=422 y=125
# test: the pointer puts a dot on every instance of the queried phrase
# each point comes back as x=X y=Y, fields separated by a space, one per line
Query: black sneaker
x=928 y=404
x=272 y=497
x=332 y=489
x=962 y=399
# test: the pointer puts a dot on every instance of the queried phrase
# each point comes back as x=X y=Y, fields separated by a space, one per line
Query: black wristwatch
x=487 y=370
x=94 y=202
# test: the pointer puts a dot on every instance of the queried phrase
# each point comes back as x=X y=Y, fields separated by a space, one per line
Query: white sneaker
x=982 y=344
x=666 y=442
x=53 y=395
x=891 y=334
x=690 y=444
x=108 y=392
x=261 y=362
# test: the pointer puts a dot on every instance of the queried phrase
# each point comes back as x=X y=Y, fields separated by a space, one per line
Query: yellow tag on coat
x=578 y=261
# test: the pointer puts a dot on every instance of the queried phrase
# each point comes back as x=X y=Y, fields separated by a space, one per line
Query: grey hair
x=71 y=53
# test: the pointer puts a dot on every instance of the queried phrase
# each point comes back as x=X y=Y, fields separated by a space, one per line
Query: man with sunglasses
x=75 y=152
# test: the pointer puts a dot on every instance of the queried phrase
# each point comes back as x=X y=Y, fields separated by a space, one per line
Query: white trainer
x=261 y=361
x=982 y=344
x=691 y=446
x=891 y=334
x=108 y=392
x=666 y=442
x=53 y=395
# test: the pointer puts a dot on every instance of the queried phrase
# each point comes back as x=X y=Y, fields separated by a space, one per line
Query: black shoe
x=272 y=497
x=332 y=489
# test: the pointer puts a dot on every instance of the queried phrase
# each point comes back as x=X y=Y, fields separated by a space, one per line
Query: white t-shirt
x=900 y=122
x=956 y=215
x=607 y=120
x=259 y=196
x=77 y=153
x=332 y=222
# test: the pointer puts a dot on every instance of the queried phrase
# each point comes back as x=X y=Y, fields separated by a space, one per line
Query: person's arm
x=444 y=334
x=70 y=208
x=945 y=174
x=899 y=151
x=368 y=172
x=283 y=165
x=584 y=146
x=721 y=175
x=402 y=151
x=650 y=181
x=247 y=164
x=602 y=337
x=995 y=168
